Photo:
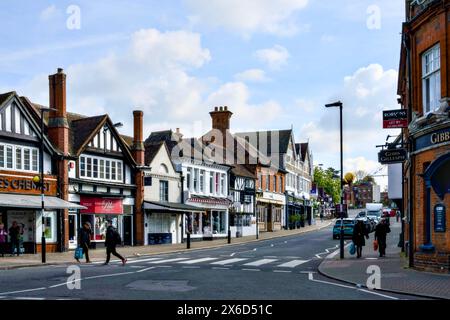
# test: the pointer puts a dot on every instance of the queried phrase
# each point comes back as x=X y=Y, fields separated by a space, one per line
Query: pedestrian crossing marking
x=293 y=263
x=142 y=260
x=198 y=260
x=260 y=262
x=228 y=261
x=167 y=260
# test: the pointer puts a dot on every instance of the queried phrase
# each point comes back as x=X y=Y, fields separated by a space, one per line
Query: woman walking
x=359 y=236
x=84 y=240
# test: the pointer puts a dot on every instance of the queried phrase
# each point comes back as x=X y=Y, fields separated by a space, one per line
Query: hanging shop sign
x=439 y=218
x=390 y=156
x=395 y=119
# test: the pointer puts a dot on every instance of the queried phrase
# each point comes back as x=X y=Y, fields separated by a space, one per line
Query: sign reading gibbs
x=392 y=156
x=395 y=119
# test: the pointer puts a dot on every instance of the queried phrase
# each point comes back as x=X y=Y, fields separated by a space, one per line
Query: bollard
x=229 y=236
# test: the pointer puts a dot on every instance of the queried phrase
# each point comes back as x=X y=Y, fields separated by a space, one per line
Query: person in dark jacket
x=14 y=234
x=381 y=231
x=359 y=236
x=3 y=239
x=84 y=240
x=111 y=241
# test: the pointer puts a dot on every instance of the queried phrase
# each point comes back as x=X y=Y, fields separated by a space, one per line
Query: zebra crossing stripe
x=198 y=260
x=260 y=262
x=293 y=263
x=167 y=260
x=142 y=260
x=228 y=261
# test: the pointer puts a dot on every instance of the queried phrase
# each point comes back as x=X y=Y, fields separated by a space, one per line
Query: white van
x=374 y=211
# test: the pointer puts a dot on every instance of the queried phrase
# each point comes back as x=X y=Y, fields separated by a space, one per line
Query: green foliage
x=329 y=179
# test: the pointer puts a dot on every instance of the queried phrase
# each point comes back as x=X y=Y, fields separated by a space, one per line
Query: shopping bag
x=78 y=253
x=375 y=245
x=352 y=249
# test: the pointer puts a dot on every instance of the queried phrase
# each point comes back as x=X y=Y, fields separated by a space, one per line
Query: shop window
x=218 y=222
x=431 y=79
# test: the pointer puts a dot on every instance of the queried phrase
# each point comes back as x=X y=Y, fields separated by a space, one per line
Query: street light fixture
x=340 y=105
x=41 y=182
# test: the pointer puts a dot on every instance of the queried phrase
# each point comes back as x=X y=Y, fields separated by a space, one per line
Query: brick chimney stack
x=221 y=119
x=58 y=128
x=138 y=138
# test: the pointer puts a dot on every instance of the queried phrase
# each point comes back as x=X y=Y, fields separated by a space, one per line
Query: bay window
x=100 y=168
x=18 y=158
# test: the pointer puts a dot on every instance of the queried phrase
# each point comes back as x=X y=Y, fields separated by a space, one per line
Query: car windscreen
x=374 y=213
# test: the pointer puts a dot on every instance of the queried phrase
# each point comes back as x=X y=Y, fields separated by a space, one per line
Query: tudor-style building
x=20 y=161
x=424 y=91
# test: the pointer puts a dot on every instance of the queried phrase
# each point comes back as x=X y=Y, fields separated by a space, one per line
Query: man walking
x=111 y=241
x=84 y=240
x=381 y=231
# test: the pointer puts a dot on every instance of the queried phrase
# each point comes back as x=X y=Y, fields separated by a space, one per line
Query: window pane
x=202 y=180
x=18 y=158
x=102 y=169
x=89 y=167
x=188 y=178
x=211 y=182
x=2 y=156
x=196 y=179
x=35 y=160
x=9 y=157
x=82 y=166
x=108 y=168
x=113 y=170
x=95 y=168
x=119 y=170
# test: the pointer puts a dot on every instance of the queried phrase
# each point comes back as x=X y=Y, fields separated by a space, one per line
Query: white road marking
x=251 y=270
x=28 y=298
x=318 y=256
x=270 y=257
x=285 y=242
x=371 y=258
x=137 y=267
x=142 y=260
x=191 y=267
x=254 y=249
x=198 y=260
x=258 y=263
x=282 y=271
x=146 y=269
x=109 y=275
x=220 y=268
x=232 y=255
x=293 y=263
x=379 y=294
x=168 y=260
x=228 y=261
x=20 y=291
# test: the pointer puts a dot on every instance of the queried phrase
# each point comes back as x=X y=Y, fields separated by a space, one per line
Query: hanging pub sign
x=395 y=119
x=439 y=218
x=390 y=156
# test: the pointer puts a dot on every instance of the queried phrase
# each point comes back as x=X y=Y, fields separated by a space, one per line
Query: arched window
x=163 y=168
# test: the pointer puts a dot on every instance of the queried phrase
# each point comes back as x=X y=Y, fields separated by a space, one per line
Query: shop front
x=295 y=209
x=270 y=208
x=99 y=212
x=211 y=219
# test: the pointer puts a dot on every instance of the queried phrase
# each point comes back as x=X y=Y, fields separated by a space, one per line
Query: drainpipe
x=183 y=218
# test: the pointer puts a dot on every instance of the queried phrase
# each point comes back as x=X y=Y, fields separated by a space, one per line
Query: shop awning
x=34 y=202
x=170 y=207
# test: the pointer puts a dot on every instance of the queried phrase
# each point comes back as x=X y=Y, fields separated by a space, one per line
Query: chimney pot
x=225 y=108
x=221 y=109
x=216 y=109
x=60 y=70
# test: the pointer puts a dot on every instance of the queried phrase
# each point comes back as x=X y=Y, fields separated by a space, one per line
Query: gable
x=14 y=121
x=105 y=140
x=162 y=160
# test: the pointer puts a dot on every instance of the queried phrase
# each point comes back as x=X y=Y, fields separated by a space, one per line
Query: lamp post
x=41 y=182
x=340 y=105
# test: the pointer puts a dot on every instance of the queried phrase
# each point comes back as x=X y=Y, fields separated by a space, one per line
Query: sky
x=274 y=63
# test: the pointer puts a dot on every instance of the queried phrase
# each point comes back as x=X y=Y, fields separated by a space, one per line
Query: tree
x=360 y=174
x=369 y=178
x=329 y=179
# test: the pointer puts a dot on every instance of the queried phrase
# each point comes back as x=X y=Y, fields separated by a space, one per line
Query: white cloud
x=48 y=13
x=249 y=16
x=275 y=57
x=252 y=75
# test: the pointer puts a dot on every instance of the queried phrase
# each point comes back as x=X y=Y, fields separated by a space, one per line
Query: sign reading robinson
x=395 y=119
x=392 y=156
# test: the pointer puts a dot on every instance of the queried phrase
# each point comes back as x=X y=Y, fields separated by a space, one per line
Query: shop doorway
x=127 y=230
x=73 y=231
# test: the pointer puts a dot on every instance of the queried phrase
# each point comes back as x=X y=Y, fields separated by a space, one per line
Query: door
x=270 y=214
x=73 y=231
x=127 y=231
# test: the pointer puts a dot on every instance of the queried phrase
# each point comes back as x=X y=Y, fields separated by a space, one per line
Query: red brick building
x=424 y=91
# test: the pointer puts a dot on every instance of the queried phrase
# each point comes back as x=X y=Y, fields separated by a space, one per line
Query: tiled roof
x=82 y=129
x=5 y=96
x=151 y=150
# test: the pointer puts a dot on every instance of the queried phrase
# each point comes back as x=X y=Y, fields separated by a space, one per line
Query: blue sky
x=273 y=62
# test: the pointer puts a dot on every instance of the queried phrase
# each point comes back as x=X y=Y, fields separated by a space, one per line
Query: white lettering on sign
x=440 y=137
x=107 y=205
x=418 y=2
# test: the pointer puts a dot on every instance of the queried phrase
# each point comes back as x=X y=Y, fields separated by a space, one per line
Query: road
x=283 y=268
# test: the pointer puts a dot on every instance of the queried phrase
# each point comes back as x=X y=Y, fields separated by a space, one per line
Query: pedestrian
x=359 y=236
x=84 y=240
x=381 y=231
x=14 y=235
x=111 y=241
x=398 y=215
x=321 y=216
x=3 y=239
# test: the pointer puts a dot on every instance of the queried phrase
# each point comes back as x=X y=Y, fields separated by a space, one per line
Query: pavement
x=99 y=254
x=395 y=274
x=282 y=266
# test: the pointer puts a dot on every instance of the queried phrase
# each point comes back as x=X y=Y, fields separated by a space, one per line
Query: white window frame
x=21 y=167
x=431 y=75
x=101 y=175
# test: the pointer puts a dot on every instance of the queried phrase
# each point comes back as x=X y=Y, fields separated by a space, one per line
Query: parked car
x=348 y=228
x=369 y=223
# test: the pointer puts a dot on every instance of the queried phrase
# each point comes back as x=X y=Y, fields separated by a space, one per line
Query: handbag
x=352 y=248
x=78 y=253
x=375 y=245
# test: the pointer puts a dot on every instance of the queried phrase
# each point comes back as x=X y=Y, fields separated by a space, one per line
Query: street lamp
x=340 y=105
x=40 y=180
